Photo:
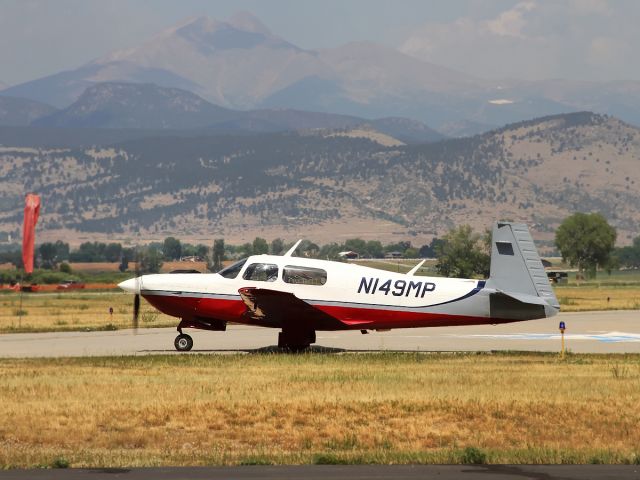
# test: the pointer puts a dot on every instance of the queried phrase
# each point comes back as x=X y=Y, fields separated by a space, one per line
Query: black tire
x=183 y=342
x=296 y=341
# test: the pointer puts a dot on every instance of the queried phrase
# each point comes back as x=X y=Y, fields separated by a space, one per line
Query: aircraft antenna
x=415 y=269
x=292 y=249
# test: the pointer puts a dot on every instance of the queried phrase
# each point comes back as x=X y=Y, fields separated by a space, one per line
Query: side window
x=304 y=275
x=504 y=248
x=261 y=272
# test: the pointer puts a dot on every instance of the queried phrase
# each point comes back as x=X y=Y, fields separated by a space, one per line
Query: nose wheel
x=183 y=342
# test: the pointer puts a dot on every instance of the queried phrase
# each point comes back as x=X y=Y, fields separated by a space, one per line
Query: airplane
x=300 y=296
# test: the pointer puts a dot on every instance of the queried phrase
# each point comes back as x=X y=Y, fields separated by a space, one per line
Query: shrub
x=473 y=455
x=60 y=462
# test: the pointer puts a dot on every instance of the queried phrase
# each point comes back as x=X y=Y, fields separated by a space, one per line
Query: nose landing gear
x=183 y=342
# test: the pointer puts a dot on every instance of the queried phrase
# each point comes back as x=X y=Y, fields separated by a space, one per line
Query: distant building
x=350 y=255
x=393 y=255
x=193 y=258
x=558 y=277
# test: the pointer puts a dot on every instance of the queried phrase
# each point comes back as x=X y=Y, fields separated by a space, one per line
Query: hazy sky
x=530 y=39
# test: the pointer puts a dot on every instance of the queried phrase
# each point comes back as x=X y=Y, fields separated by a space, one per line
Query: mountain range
x=240 y=64
x=327 y=186
x=163 y=111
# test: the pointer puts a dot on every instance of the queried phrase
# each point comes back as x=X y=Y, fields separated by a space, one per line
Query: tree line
x=57 y=255
x=585 y=241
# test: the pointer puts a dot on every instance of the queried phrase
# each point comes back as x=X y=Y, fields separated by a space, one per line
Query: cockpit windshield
x=232 y=271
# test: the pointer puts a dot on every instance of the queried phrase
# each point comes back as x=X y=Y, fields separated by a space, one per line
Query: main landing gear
x=296 y=340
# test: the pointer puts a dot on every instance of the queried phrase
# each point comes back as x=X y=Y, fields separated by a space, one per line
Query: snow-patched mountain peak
x=249 y=23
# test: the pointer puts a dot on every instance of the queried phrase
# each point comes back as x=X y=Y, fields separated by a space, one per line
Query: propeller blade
x=136 y=299
x=136 y=310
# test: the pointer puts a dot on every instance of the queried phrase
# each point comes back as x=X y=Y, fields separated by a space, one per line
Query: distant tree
x=113 y=252
x=149 y=260
x=129 y=254
x=62 y=250
x=330 y=251
x=277 y=246
x=202 y=251
x=397 y=247
x=124 y=264
x=425 y=251
x=47 y=252
x=171 y=248
x=586 y=241
x=260 y=246
x=245 y=250
x=218 y=255
x=89 y=252
x=357 y=245
x=188 y=250
x=629 y=256
x=429 y=251
x=411 y=253
x=462 y=254
x=64 y=267
x=374 y=249
x=13 y=256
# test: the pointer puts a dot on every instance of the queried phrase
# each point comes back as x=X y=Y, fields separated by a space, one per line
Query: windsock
x=31 y=212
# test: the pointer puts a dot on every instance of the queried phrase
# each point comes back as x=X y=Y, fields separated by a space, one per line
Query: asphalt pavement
x=587 y=332
x=340 y=472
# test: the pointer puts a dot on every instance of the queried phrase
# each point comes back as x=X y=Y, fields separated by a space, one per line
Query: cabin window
x=304 y=275
x=261 y=272
x=504 y=248
x=232 y=271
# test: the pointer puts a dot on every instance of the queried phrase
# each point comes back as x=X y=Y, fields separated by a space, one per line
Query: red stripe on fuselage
x=353 y=317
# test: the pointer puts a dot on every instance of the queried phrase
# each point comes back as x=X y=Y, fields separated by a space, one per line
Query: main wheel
x=183 y=342
x=296 y=341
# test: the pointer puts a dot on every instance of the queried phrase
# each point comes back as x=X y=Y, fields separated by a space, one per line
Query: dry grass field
x=74 y=310
x=585 y=298
x=319 y=408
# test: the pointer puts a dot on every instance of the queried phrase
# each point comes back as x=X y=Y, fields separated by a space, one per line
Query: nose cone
x=131 y=286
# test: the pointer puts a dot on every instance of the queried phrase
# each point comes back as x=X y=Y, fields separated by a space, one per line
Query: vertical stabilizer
x=516 y=267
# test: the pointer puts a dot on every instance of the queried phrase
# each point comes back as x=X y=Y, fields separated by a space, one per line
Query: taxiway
x=587 y=332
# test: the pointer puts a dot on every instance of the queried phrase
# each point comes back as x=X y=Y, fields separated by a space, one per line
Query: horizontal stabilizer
x=524 y=298
x=517 y=306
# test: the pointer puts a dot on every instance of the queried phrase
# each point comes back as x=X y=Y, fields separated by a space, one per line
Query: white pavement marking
x=587 y=332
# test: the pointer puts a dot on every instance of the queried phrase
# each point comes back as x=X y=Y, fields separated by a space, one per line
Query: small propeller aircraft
x=301 y=296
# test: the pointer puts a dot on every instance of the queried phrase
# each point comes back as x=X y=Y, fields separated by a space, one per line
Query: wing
x=285 y=309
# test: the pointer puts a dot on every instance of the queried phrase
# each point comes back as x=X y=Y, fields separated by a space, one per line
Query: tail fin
x=517 y=275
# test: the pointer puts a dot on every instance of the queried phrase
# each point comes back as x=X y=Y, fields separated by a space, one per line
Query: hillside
x=128 y=105
x=330 y=186
x=21 y=111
